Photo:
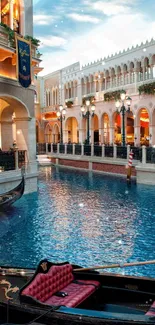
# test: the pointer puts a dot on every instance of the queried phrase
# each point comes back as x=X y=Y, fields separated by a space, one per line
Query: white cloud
x=42 y=19
x=110 y=8
x=52 y=41
x=84 y=18
x=117 y=33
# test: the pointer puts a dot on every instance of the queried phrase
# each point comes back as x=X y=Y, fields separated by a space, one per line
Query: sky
x=87 y=30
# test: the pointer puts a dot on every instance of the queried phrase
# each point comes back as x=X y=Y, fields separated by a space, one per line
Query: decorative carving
x=8 y=288
x=44 y=266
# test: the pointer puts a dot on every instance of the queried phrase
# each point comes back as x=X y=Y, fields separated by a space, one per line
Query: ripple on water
x=87 y=219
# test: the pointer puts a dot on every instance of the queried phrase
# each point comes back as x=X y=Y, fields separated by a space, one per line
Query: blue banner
x=24 y=62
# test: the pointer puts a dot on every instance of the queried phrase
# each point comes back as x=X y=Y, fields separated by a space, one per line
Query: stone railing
x=143 y=154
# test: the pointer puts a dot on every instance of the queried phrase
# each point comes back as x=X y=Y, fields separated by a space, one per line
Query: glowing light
x=81 y=205
x=120 y=241
x=22 y=272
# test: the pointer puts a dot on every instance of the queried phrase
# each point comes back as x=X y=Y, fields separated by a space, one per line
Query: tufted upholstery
x=59 y=278
x=77 y=293
x=151 y=311
x=45 y=285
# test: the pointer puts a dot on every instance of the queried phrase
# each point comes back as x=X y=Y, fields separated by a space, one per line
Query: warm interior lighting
x=82 y=109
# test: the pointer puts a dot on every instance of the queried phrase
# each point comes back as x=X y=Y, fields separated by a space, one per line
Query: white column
x=143 y=154
x=103 y=150
x=11 y=13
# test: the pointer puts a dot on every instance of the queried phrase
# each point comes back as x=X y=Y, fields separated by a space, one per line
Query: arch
x=105 y=128
x=72 y=130
x=48 y=133
x=117 y=121
x=14 y=116
x=56 y=133
x=16 y=102
x=129 y=128
x=143 y=124
x=95 y=129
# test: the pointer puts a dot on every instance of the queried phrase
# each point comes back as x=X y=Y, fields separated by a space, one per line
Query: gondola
x=61 y=293
x=13 y=195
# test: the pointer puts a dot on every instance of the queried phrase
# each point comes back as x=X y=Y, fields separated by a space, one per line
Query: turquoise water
x=87 y=219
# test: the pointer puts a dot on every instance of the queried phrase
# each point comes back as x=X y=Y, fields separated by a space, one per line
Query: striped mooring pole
x=129 y=167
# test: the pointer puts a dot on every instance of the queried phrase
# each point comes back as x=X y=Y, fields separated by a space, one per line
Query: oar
x=112 y=266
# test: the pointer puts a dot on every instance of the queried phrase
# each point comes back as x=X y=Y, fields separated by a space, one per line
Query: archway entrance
x=48 y=134
x=14 y=124
x=144 y=127
x=56 y=134
x=95 y=129
x=106 y=128
x=72 y=130
x=117 y=129
x=129 y=128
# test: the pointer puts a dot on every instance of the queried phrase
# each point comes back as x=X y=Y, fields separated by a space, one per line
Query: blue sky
x=87 y=30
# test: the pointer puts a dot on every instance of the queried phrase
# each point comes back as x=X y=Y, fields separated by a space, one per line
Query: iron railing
x=87 y=150
x=69 y=149
x=78 y=149
x=122 y=152
x=98 y=151
x=62 y=148
x=41 y=148
x=150 y=155
x=7 y=159
x=109 y=151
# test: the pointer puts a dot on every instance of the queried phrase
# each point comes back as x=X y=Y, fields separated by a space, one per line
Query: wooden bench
x=58 y=287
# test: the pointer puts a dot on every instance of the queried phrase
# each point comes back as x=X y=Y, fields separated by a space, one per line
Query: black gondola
x=56 y=294
x=13 y=195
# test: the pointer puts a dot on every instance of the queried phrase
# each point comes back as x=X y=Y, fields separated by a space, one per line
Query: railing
x=87 y=150
x=11 y=160
x=143 y=154
x=150 y=155
x=122 y=152
x=78 y=149
x=98 y=151
x=41 y=148
x=109 y=151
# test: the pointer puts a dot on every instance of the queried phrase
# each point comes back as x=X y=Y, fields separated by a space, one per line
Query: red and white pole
x=129 y=167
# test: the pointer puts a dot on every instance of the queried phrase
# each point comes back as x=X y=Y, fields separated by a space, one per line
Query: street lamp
x=87 y=110
x=120 y=105
x=61 y=116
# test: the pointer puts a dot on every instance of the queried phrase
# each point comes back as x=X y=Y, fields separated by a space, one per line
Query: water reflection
x=82 y=217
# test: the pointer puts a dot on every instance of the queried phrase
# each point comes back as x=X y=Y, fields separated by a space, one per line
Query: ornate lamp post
x=87 y=110
x=61 y=116
x=120 y=105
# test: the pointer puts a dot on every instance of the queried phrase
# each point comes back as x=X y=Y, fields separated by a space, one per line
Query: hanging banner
x=23 y=50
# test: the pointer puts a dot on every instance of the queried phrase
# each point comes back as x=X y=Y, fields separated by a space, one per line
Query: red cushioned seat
x=151 y=311
x=77 y=293
x=59 y=278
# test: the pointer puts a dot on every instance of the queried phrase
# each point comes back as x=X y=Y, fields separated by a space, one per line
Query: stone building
x=17 y=114
x=132 y=70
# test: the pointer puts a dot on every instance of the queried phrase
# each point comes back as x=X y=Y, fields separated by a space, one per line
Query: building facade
x=17 y=113
x=132 y=70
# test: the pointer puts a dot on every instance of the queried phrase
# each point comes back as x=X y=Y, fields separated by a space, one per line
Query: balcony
x=8 y=47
